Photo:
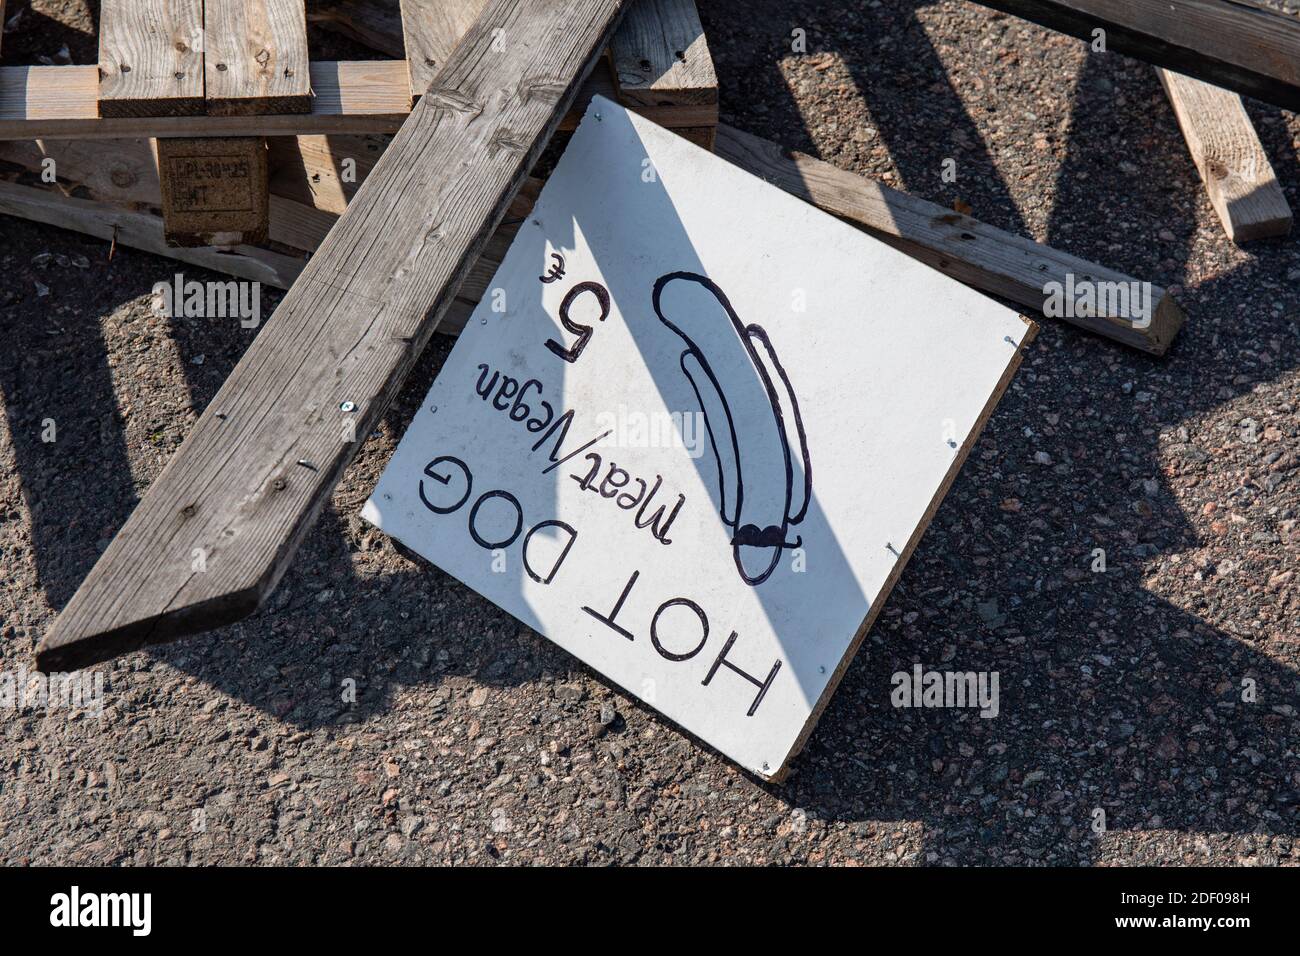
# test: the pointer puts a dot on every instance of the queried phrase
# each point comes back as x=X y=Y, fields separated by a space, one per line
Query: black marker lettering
x=656 y=530
x=585 y=481
x=482 y=374
x=761 y=685
x=654 y=629
x=537 y=424
x=628 y=501
x=583 y=332
x=609 y=487
x=618 y=606
x=506 y=383
x=563 y=425
x=473 y=518
x=573 y=536
x=519 y=411
x=446 y=479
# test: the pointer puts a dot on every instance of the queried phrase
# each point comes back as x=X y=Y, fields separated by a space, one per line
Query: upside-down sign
x=692 y=429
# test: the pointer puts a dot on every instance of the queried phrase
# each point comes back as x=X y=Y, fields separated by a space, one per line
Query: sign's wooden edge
x=959 y=459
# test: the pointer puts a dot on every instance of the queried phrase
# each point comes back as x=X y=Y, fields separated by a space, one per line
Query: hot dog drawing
x=752 y=416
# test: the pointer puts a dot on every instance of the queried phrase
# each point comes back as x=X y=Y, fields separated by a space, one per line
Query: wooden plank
x=1234 y=44
x=144 y=231
x=431 y=29
x=323 y=171
x=351 y=97
x=1230 y=158
x=59 y=102
x=214 y=191
x=150 y=58
x=219 y=526
x=980 y=255
x=124 y=172
x=659 y=56
x=255 y=57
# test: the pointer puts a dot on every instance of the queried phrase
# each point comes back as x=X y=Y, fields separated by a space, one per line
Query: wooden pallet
x=179 y=72
x=364 y=96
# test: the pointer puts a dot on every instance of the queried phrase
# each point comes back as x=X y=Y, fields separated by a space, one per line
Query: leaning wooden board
x=1238 y=176
x=248 y=483
x=695 y=431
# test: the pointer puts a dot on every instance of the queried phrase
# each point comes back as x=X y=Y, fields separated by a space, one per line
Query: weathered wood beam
x=217 y=529
x=988 y=258
x=1242 y=47
x=307 y=193
x=1227 y=152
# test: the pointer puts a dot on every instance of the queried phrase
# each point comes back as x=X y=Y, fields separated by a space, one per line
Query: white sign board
x=692 y=429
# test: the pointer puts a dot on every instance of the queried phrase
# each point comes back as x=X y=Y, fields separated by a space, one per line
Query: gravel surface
x=473 y=740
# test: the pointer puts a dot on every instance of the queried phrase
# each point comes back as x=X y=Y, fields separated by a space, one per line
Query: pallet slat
x=249 y=481
x=660 y=57
x=150 y=58
x=361 y=96
x=1227 y=152
x=255 y=57
x=431 y=29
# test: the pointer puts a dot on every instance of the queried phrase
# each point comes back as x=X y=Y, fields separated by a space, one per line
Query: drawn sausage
x=752 y=417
